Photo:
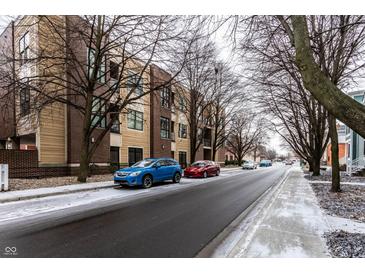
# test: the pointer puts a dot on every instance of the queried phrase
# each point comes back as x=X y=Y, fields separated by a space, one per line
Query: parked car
x=249 y=165
x=265 y=163
x=149 y=171
x=289 y=162
x=202 y=169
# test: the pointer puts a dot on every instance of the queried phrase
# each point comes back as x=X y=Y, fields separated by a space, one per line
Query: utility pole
x=13 y=76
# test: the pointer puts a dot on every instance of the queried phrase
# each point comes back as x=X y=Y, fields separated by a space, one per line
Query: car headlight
x=135 y=173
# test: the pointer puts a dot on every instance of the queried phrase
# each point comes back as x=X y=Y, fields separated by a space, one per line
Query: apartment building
x=154 y=126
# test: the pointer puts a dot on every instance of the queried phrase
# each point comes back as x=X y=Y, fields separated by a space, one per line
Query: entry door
x=135 y=155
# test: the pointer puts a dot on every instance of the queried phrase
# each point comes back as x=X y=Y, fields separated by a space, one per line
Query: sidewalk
x=11 y=196
x=289 y=224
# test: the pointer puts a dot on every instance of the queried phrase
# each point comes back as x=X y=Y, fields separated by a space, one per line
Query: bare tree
x=97 y=65
x=245 y=129
x=278 y=90
x=271 y=154
x=350 y=32
x=226 y=101
x=197 y=76
x=323 y=48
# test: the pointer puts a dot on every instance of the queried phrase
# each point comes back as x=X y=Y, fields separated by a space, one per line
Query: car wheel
x=147 y=181
x=205 y=174
x=217 y=173
x=177 y=178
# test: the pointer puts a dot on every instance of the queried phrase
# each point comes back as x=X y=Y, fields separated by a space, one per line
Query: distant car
x=289 y=162
x=265 y=163
x=148 y=171
x=249 y=165
x=202 y=169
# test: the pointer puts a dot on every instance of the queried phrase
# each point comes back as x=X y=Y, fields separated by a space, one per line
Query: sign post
x=4 y=177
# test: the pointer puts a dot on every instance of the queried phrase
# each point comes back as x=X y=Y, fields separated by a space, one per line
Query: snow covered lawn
x=350 y=203
x=345 y=217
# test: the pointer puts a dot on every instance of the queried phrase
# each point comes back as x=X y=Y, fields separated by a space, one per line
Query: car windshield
x=144 y=163
x=199 y=164
x=248 y=163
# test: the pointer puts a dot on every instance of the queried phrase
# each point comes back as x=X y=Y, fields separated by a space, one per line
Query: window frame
x=132 y=80
x=97 y=112
x=24 y=100
x=165 y=97
x=114 y=69
x=166 y=121
x=182 y=104
x=101 y=73
x=181 y=127
x=24 y=45
x=133 y=114
x=115 y=128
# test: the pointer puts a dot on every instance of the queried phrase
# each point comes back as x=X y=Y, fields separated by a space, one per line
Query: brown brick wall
x=159 y=147
x=24 y=164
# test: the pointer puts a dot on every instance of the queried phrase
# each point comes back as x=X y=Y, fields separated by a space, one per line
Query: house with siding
x=355 y=144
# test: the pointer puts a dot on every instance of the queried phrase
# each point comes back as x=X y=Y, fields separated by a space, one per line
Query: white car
x=249 y=165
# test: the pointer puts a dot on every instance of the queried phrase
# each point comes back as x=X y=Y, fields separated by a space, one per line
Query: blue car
x=149 y=171
x=265 y=163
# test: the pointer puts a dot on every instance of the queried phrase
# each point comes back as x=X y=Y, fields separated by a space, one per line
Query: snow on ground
x=345 y=216
x=19 y=209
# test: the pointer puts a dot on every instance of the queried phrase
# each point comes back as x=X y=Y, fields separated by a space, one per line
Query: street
x=176 y=222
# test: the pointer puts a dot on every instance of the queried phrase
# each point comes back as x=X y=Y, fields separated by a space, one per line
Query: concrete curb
x=209 y=249
x=55 y=193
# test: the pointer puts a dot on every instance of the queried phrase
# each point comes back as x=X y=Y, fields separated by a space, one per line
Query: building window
x=165 y=127
x=355 y=152
x=134 y=155
x=135 y=81
x=114 y=155
x=182 y=159
x=183 y=131
x=91 y=63
x=182 y=104
x=165 y=97
x=135 y=119
x=98 y=113
x=24 y=48
x=172 y=131
x=114 y=70
x=24 y=100
x=115 y=128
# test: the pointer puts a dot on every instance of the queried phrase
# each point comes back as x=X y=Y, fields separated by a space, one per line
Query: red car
x=202 y=169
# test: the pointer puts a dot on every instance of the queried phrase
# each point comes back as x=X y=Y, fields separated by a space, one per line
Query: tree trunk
x=85 y=143
x=254 y=154
x=214 y=152
x=334 y=152
x=340 y=105
x=192 y=153
x=239 y=161
x=84 y=162
x=316 y=165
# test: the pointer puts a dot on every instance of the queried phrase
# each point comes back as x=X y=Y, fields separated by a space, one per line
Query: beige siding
x=52 y=145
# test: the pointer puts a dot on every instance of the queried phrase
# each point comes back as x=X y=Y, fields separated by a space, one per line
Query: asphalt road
x=174 y=224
